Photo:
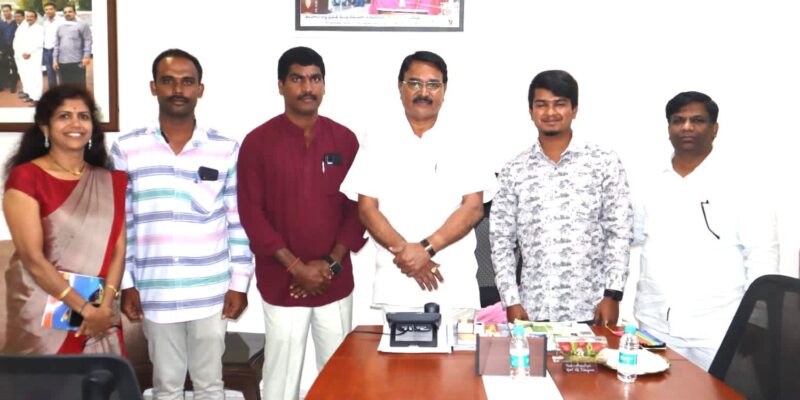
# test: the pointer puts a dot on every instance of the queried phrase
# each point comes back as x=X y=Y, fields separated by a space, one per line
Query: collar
x=705 y=165
x=199 y=134
x=437 y=130
x=294 y=129
x=575 y=146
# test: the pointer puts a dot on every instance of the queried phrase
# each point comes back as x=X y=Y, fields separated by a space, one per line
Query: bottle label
x=627 y=358
x=520 y=361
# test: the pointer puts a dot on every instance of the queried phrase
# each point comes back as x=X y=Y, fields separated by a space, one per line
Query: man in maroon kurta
x=301 y=228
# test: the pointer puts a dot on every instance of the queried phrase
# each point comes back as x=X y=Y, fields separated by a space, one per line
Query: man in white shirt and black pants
x=705 y=236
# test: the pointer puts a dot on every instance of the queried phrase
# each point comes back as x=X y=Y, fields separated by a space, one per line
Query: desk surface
x=358 y=371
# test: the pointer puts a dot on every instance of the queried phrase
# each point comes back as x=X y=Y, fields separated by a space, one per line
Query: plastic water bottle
x=628 y=355
x=519 y=353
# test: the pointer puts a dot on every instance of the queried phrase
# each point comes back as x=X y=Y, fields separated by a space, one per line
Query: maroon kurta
x=289 y=197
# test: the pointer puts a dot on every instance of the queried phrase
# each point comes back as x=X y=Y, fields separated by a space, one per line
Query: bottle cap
x=630 y=329
x=519 y=330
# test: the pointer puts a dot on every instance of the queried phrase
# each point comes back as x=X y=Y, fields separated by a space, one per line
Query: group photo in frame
x=93 y=25
x=380 y=15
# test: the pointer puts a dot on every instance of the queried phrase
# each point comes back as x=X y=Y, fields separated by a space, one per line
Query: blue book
x=58 y=315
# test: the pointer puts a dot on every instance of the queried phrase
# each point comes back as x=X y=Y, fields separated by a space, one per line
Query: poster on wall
x=380 y=15
x=75 y=43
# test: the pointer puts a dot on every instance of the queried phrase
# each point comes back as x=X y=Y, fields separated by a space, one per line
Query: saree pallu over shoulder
x=75 y=240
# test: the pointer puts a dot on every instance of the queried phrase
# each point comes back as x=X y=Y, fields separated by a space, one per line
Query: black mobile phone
x=332 y=159
x=76 y=319
x=207 y=174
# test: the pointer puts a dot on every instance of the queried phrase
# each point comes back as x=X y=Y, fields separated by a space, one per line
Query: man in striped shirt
x=188 y=265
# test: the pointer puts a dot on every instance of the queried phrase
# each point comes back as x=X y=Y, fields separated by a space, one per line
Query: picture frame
x=101 y=74
x=380 y=15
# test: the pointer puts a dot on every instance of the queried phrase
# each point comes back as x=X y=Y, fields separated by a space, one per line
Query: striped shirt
x=186 y=247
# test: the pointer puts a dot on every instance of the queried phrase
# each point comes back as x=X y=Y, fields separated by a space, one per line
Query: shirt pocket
x=584 y=195
x=207 y=195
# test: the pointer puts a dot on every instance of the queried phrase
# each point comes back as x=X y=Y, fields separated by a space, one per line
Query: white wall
x=629 y=57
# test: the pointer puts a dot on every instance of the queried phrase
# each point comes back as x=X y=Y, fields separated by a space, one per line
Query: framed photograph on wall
x=380 y=15
x=99 y=73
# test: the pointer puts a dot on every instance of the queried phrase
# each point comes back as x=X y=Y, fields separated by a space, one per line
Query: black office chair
x=79 y=377
x=483 y=253
x=760 y=354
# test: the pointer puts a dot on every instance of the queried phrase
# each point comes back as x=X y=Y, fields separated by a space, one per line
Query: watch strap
x=428 y=247
x=333 y=265
x=613 y=294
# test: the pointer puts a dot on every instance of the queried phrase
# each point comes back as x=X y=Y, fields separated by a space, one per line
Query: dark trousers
x=8 y=68
x=73 y=73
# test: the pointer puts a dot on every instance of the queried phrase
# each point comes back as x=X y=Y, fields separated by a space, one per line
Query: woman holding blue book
x=66 y=213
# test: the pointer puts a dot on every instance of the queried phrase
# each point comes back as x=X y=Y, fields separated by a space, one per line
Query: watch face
x=335 y=269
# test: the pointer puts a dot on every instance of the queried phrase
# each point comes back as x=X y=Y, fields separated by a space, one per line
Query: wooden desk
x=358 y=371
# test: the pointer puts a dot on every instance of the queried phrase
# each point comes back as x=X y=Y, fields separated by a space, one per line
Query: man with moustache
x=706 y=235
x=73 y=49
x=301 y=228
x=187 y=265
x=419 y=197
x=28 y=56
x=566 y=203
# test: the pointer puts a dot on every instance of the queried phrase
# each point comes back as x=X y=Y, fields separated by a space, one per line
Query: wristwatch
x=613 y=294
x=333 y=265
x=428 y=247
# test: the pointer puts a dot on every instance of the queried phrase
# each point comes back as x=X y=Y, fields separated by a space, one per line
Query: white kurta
x=691 y=283
x=28 y=40
x=419 y=183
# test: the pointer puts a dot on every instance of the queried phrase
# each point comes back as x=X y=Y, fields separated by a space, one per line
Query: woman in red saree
x=66 y=213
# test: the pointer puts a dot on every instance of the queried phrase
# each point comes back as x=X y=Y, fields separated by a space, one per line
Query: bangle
x=292 y=264
x=80 y=311
x=116 y=292
x=428 y=247
x=64 y=293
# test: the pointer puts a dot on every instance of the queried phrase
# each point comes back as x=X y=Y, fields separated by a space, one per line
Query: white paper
x=538 y=387
x=647 y=363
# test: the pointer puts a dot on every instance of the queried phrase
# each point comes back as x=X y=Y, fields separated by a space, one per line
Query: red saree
x=81 y=221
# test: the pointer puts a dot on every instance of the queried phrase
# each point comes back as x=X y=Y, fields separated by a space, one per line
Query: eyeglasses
x=703 y=208
x=416 y=85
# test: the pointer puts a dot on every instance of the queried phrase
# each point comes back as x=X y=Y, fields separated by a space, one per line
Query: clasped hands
x=96 y=321
x=310 y=278
x=415 y=262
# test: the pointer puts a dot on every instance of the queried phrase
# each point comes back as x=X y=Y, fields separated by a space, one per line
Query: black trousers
x=8 y=68
x=73 y=74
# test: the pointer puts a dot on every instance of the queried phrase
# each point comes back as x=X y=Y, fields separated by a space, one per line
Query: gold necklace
x=76 y=173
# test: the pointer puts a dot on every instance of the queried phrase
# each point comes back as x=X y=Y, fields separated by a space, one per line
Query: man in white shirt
x=420 y=192
x=705 y=236
x=28 y=55
x=50 y=24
